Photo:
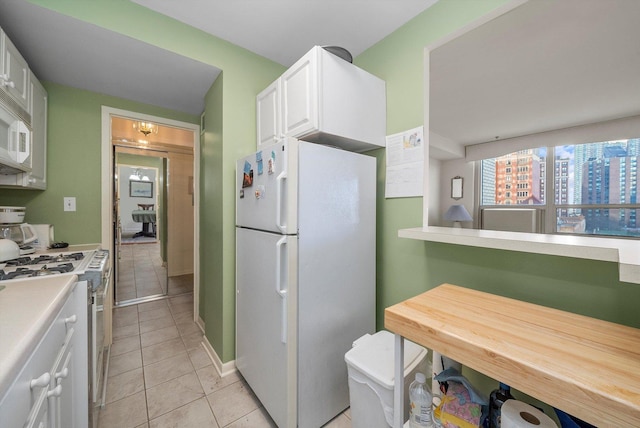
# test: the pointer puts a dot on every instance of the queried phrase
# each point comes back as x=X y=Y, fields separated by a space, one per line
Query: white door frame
x=107 y=186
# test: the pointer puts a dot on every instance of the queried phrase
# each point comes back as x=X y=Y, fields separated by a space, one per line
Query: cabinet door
x=16 y=73
x=67 y=398
x=268 y=115
x=299 y=88
x=39 y=417
x=37 y=178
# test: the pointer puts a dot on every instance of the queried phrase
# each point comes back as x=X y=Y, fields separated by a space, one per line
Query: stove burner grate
x=20 y=261
x=23 y=272
x=45 y=258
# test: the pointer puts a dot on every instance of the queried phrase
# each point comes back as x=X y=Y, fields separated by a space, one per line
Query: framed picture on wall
x=141 y=189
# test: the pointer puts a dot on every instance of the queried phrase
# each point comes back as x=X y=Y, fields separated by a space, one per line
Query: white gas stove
x=88 y=265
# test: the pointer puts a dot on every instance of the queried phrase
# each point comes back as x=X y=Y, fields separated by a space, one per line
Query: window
x=593 y=187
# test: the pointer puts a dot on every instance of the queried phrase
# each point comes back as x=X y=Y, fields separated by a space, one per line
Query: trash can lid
x=373 y=355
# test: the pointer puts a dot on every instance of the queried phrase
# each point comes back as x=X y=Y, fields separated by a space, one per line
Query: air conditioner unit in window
x=512 y=219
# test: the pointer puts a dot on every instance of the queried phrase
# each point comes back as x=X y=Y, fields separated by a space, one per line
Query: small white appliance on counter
x=44 y=233
x=305 y=275
x=22 y=234
x=12 y=227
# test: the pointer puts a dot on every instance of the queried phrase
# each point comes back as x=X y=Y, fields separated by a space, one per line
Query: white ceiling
x=284 y=30
x=64 y=50
x=545 y=65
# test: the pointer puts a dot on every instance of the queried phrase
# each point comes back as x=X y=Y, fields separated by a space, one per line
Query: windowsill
x=625 y=252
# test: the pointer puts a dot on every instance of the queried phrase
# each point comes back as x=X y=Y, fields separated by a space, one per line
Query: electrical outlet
x=69 y=203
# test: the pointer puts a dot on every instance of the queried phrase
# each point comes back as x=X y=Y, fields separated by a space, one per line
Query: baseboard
x=200 y=323
x=223 y=369
x=186 y=272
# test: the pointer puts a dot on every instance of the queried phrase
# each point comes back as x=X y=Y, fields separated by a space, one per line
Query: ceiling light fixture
x=146 y=128
x=138 y=175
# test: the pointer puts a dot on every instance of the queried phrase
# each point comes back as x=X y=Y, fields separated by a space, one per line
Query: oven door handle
x=106 y=281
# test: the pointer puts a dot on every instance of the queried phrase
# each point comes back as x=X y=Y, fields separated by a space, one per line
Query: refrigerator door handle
x=282 y=292
x=280 y=180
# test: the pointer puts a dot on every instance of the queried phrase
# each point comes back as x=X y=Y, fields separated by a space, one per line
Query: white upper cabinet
x=299 y=96
x=37 y=178
x=19 y=87
x=324 y=99
x=14 y=75
x=268 y=119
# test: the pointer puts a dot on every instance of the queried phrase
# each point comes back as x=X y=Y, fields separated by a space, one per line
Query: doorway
x=154 y=196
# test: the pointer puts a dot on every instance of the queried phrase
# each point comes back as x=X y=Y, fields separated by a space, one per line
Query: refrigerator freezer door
x=266 y=189
x=265 y=329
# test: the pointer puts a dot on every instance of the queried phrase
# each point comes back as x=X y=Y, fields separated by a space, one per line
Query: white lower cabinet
x=39 y=416
x=52 y=388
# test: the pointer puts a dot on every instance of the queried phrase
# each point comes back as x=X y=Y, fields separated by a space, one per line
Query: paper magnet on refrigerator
x=247 y=177
x=259 y=162
x=271 y=163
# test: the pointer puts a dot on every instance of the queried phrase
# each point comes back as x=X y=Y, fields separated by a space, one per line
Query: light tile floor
x=141 y=273
x=160 y=375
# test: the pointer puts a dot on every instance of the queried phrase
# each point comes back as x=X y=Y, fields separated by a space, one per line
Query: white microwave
x=15 y=140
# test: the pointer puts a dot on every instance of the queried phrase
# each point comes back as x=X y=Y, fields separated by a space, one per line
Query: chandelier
x=138 y=175
x=146 y=127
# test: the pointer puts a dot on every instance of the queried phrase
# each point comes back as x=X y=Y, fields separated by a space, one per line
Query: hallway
x=141 y=273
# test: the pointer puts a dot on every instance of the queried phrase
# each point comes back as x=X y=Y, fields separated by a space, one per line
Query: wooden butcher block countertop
x=586 y=367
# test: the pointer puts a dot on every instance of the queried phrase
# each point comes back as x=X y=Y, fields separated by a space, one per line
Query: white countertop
x=27 y=309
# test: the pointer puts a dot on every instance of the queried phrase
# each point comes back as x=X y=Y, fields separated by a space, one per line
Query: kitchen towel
x=516 y=414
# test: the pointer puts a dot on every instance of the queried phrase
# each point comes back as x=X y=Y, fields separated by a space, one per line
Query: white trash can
x=371 y=369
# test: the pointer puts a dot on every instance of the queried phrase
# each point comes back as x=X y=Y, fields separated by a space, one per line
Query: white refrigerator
x=305 y=275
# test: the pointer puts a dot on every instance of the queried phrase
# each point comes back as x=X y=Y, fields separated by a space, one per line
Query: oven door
x=98 y=344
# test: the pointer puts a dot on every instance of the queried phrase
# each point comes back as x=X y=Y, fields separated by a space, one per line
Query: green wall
x=74 y=162
x=407 y=267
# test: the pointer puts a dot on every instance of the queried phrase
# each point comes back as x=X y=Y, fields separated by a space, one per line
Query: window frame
x=549 y=209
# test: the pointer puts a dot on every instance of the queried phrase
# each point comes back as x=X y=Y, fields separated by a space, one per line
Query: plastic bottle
x=421 y=414
x=497 y=399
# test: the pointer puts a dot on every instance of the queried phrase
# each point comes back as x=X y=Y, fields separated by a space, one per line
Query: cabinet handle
x=55 y=392
x=71 y=320
x=62 y=374
x=10 y=84
x=43 y=380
